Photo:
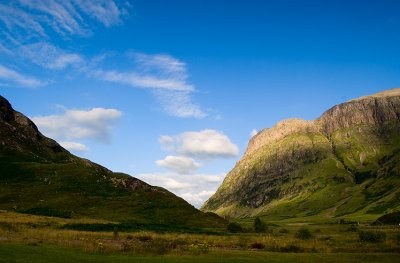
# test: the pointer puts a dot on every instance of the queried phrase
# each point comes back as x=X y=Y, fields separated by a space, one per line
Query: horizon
x=171 y=93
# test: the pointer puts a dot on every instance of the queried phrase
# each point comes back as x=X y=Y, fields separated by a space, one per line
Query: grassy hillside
x=344 y=165
x=38 y=176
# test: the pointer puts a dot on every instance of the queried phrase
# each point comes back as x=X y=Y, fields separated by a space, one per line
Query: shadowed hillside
x=38 y=176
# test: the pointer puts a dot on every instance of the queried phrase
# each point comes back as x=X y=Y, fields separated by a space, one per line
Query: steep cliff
x=345 y=163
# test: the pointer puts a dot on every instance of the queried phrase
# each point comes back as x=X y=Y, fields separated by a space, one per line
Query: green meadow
x=33 y=238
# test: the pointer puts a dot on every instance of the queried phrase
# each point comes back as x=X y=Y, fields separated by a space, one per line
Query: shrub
x=303 y=234
x=352 y=228
x=291 y=249
x=283 y=231
x=199 y=248
x=115 y=233
x=259 y=226
x=144 y=238
x=372 y=236
x=257 y=245
x=234 y=228
x=397 y=238
x=325 y=238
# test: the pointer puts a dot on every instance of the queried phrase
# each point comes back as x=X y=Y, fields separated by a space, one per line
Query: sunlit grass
x=325 y=238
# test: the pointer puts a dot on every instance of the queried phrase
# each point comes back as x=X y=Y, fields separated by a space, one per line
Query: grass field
x=28 y=253
x=32 y=238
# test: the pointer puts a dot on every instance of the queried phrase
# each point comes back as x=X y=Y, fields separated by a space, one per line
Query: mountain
x=344 y=164
x=39 y=176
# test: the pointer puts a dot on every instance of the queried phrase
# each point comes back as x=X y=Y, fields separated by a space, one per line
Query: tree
x=234 y=228
x=259 y=226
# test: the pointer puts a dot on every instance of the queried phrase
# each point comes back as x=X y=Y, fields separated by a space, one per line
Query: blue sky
x=170 y=91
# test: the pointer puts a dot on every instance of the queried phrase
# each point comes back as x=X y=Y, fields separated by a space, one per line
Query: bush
x=234 y=228
x=284 y=231
x=291 y=249
x=257 y=245
x=144 y=238
x=303 y=234
x=259 y=226
x=352 y=228
x=397 y=238
x=372 y=236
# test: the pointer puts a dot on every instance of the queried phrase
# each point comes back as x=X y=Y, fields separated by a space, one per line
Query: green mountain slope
x=38 y=176
x=344 y=164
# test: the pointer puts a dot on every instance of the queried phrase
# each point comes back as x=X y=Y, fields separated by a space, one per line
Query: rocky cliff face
x=300 y=168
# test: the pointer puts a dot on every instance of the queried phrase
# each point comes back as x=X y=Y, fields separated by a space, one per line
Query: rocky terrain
x=38 y=176
x=346 y=163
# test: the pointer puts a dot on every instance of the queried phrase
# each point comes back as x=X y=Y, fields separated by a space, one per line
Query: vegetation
x=372 y=236
x=49 y=253
x=303 y=234
x=51 y=232
x=234 y=228
x=259 y=226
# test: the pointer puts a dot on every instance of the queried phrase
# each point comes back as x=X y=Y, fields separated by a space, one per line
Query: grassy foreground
x=33 y=254
x=32 y=238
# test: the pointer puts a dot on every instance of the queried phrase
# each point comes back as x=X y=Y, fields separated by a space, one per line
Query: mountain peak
x=6 y=110
x=279 y=131
x=386 y=93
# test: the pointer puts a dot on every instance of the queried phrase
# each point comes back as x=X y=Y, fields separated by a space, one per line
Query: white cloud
x=164 y=181
x=164 y=75
x=194 y=188
x=13 y=77
x=179 y=164
x=197 y=198
x=203 y=144
x=74 y=146
x=96 y=123
x=191 y=198
x=212 y=178
x=49 y=56
x=253 y=133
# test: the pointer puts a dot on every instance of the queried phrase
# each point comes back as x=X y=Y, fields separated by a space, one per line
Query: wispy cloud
x=179 y=104
x=205 y=144
x=69 y=17
x=164 y=75
x=96 y=123
x=12 y=77
x=139 y=80
x=27 y=28
x=15 y=20
x=49 y=56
